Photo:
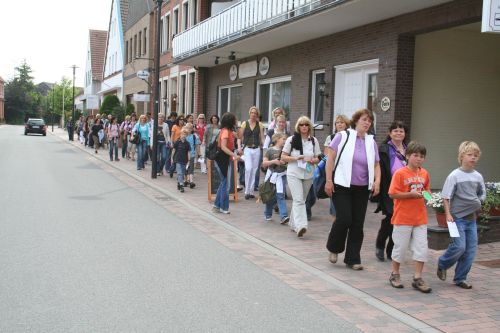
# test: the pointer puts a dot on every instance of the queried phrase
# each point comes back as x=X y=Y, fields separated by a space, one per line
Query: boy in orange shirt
x=410 y=216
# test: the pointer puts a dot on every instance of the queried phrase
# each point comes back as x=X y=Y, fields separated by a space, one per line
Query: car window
x=36 y=122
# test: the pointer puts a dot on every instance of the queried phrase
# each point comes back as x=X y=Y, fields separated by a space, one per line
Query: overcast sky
x=51 y=35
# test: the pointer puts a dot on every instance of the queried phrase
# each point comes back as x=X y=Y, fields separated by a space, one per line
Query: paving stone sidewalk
x=448 y=308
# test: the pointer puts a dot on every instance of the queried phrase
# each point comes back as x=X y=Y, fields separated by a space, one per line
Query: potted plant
x=491 y=205
x=437 y=204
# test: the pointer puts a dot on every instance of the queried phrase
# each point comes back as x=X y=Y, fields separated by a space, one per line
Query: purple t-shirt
x=359 y=175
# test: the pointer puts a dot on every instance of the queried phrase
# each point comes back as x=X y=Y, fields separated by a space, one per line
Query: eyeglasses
x=304 y=125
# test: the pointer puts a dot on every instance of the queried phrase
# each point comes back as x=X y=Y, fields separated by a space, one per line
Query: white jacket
x=344 y=168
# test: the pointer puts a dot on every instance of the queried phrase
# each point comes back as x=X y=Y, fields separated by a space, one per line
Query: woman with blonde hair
x=253 y=139
x=301 y=152
x=143 y=128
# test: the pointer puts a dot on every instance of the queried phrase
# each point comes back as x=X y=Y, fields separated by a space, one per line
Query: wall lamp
x=322 y=88
x=231 y=57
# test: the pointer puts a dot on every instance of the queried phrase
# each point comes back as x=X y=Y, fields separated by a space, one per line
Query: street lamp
x=73 y=113
x=154 y=153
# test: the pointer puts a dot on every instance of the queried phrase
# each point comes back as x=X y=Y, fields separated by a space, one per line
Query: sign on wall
x=263 y=66
x=491 y=16
x=385 y=104
x=248 y=69
x=92 y=102
x=233 y=72
x=141 y=97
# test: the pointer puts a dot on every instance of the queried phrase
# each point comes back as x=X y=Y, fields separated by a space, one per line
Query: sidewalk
x=364 y=298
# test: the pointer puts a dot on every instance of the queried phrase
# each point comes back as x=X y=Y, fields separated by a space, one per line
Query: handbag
x=136 y=138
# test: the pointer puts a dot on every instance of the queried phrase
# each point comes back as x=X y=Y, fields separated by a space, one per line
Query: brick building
x=425 y=62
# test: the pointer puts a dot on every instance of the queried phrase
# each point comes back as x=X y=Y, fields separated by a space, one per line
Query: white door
x=352 y=86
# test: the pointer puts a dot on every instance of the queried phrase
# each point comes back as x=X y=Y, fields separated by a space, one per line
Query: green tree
x=21 y=98
x=111 y=105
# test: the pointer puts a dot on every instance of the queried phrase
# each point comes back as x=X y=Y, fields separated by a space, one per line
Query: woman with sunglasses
x=301 y=152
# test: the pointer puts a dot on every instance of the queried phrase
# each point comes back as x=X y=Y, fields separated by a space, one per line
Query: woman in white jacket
x=355 y=155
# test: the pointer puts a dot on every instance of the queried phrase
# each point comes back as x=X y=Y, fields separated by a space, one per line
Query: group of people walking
x=356 y=169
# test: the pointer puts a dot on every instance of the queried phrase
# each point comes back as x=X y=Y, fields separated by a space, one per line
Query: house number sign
x=385 y=104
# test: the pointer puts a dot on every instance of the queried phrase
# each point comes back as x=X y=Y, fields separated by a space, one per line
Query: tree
x=111 y=105
x=21 y=98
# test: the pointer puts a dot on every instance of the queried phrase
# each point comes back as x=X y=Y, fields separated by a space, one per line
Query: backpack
x=267 y=192
x=213 y=149
x=319 y=177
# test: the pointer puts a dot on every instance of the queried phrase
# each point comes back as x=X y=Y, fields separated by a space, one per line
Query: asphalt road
x=82 y=252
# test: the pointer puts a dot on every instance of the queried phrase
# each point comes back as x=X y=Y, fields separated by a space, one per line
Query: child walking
x=194 y=143
x=410 y=216
x=276 y=170
x=462 y=192
x=180 y=156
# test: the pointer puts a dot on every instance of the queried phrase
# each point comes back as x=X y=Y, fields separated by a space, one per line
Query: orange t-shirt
x=409 y=211
x=227 y=134
x=176 y=133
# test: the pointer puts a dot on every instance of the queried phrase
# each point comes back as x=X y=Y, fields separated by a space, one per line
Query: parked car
x=35 y=125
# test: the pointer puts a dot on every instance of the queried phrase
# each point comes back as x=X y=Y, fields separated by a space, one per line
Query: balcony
x=251 y=27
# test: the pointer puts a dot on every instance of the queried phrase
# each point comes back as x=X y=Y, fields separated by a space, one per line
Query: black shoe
x=247 y=196
x=441 y=274
x=186 y=183
x=251 y=196
x=239 y=189
x=171 y=174
x=276 y=209
x=379 y=253
x=179 y=186
x=181 y=189
x=192 y=185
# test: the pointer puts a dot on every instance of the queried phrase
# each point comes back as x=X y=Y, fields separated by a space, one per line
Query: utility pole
x=154 y=153
x=74 y=69
x=53 y=93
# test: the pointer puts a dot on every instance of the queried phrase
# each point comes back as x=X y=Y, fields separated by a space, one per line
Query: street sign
x=491 y=16
x=143 y=75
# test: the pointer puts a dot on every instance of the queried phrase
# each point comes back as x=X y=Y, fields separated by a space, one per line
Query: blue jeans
x=124 y=147
x=181 y=171
x=280 y=199
x=168 y=163
x=113 y=145
x=142 y=148
x=462 y=250
x=222 y=197
x=161 y=155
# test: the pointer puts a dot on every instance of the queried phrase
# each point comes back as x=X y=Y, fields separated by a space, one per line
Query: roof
x=97 y=50
x=124 y=5
x=137 y=10
x=44 y=87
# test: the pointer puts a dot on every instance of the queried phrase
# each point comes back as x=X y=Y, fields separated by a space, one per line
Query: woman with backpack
x=357 y=172
x=301 y=152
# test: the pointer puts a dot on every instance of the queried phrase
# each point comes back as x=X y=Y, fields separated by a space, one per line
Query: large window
x=230 y=100
x=317 y=100
x=144 y=44
x=273 y=93
x=182 y=99
x=185 y=15
x=175 y=22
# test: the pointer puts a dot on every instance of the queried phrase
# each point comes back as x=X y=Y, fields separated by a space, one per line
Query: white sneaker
x=268 y=218
x=224 y=211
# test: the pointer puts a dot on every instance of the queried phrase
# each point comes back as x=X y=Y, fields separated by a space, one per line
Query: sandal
x=395 y=281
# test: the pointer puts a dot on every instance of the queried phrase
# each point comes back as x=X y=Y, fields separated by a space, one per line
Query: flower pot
x=494 y=211
x=441 y=220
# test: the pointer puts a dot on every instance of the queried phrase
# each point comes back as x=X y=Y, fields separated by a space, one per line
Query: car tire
x=25 y=133
x=44 y=134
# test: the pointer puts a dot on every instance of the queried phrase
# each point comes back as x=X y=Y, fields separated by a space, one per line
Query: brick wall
x=391 y=41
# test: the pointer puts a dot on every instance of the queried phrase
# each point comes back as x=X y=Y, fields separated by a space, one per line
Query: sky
x=52 y=35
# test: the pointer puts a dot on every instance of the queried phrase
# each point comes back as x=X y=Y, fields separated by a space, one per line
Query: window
x=139 y=40
x=230 y=100
x=273 y=93
x=145 y=42
x=185 y=15
x=191 y=92
x=126 y=53
x=175 y=23
x=167 y=32
x=317 y=100
x=182 y=99
x=135 y=47
x=194 y=12
x=162 y=35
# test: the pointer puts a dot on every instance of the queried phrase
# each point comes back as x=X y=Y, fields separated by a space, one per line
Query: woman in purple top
x=357 y=172
x=392 y=157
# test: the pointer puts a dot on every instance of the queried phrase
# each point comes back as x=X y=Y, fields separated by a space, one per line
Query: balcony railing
x=243 y=18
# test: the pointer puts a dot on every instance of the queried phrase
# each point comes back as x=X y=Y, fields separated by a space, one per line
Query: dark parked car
x=34 y=125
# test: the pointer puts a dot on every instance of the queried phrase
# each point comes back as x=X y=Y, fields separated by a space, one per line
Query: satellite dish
x=143 y=75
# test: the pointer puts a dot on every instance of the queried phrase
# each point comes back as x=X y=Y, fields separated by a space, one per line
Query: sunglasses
x=304 y=125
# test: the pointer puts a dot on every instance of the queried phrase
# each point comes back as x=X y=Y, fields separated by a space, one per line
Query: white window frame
x=180 y=97
x=270 y=81
x=219 y=97
x=175 y=25
x=193 y=12
x=368 y=67
x=166 y=32
x=313 y=96
x=190 y=92
x=185 y=24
